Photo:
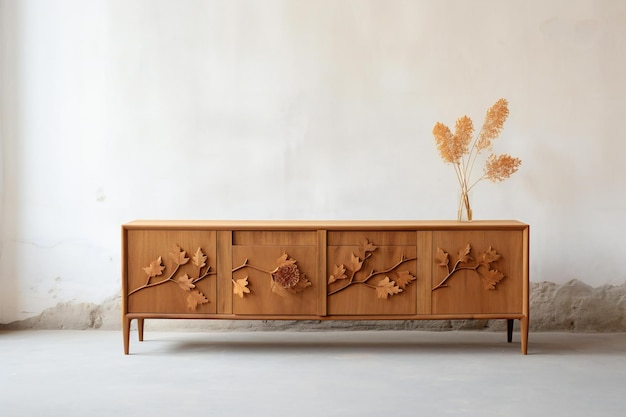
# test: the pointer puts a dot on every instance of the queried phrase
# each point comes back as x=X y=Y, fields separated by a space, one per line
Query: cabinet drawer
x=274 y=237
x=279 y=271
x=380 y=238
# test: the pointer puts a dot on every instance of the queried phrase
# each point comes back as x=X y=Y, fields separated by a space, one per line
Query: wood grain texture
x=322 y=287
x=224 y=272
x=358 y=225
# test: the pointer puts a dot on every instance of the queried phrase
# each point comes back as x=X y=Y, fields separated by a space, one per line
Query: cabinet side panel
x=526 y=272
x=124 y=271
x=224 y=272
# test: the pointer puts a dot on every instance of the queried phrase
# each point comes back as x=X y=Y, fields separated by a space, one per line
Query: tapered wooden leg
x=524 y=334
x=126 y=334
x=140 y=329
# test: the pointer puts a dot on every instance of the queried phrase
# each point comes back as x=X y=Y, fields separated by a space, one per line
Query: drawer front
x=275 y=273
x=477 y=272
x=171 y=271
x=371 y=273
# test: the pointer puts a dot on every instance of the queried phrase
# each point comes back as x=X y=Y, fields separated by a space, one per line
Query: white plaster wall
x=292 y=109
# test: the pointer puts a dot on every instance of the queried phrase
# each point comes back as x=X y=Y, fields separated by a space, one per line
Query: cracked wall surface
x=573 y=306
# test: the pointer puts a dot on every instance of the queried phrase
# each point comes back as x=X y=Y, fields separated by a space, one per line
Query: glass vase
x=465 y=209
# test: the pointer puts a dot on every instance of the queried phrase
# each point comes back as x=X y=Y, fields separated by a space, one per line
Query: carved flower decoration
x=287 y=277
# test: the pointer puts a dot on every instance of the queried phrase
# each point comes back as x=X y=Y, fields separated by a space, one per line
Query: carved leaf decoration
x=300 y=286
x=240 y=287
x=338 y=273
x=284 y=260
x=179 y=257
x=194 y=298
x=185 y=282
x=404 y=278
x=386 y=288
x=199 y=258
x=491 y=278
x=366 y=246
x=442 y=257
x=464 y=254
x=155 y=269
x=489 y=256
x=278 y=289
x=355 y=263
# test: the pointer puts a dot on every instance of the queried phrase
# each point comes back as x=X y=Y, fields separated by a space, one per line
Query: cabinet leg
x=140 y=329
x=509 y=330
x=126 y=334
x=524 y=334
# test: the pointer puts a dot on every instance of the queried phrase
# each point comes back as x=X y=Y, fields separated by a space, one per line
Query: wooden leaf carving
x=155 y=269
x=489 y=256
x=366 y=246
x=442 y=257
x=404 y=278
x=185 y=282
x=464 y=254
x=338 y=273
x=179 y=257
x=284 y=260
x=491 y=278
x=199 y=258
x=303 y=282
x=194 y=298
x=240 y=287
x=278 y=289
x=386 y=288
x=355 y=263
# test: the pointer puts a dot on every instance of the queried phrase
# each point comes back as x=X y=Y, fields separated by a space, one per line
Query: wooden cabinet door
x=275 y=273
x=171 y=271
x=477 y=272
x=371 y=273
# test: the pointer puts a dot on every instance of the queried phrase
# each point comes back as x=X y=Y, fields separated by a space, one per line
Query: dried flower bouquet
x=461 y=149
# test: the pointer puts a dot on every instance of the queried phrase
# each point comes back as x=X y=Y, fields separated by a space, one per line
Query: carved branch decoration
x=490 y=277
x=185 y=282
x=285 y=279
x=385 y=287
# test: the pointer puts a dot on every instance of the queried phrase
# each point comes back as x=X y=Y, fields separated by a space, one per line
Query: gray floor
x=391 y=373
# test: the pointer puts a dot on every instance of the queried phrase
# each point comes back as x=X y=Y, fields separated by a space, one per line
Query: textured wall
x=117 y=110
x=573 y=306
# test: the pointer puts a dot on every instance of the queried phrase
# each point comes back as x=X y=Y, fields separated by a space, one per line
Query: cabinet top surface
x=325 y=224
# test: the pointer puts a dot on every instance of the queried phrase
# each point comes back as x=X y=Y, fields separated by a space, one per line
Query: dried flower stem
x=462 y=152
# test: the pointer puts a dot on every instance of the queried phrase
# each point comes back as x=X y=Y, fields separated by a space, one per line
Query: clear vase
x=465 y=209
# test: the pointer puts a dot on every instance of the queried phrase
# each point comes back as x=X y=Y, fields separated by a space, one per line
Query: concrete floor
x=376 y=373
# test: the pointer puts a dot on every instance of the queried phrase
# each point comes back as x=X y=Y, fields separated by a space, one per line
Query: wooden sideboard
x=325 y=270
